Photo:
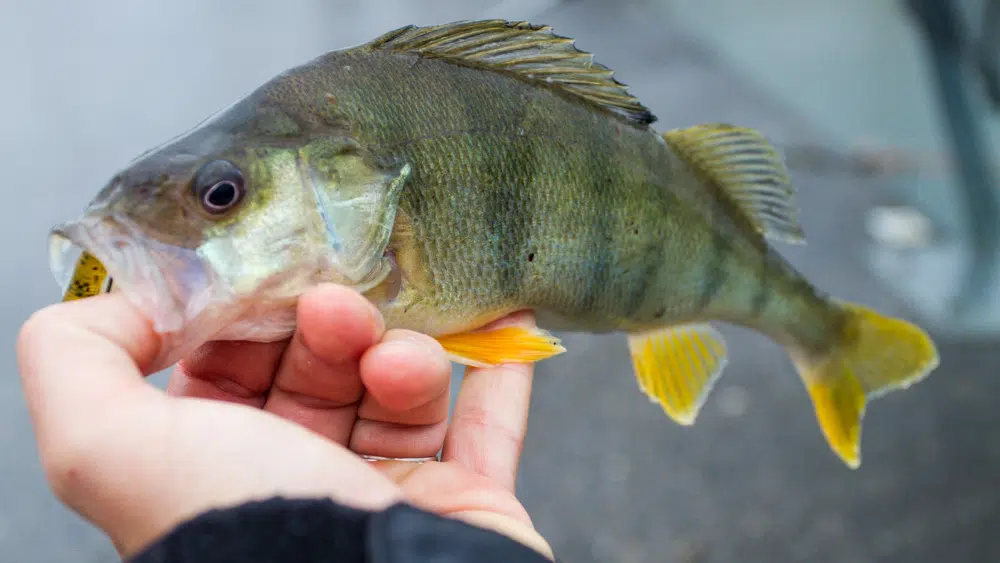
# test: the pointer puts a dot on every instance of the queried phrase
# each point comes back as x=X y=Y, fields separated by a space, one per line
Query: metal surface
x=966 y=254
x=874 y=72
x=605 y=475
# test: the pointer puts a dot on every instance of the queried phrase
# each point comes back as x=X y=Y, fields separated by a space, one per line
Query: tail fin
x=876 y=354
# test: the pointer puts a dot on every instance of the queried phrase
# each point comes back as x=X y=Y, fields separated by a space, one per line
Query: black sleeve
x=282 y=530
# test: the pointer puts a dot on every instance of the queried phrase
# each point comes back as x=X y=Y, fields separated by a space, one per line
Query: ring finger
x=404 y=413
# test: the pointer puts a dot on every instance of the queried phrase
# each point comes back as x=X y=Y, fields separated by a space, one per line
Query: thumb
x=79 y=362
x=136 y=462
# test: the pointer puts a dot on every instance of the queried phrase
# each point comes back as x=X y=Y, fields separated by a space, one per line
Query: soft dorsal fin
x=748 y=168
x=531 y=52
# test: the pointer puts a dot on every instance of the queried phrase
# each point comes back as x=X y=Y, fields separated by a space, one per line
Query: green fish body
x=466 y=171
x=520 y=197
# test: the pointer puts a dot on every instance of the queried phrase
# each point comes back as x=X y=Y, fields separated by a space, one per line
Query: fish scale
x=454 y=174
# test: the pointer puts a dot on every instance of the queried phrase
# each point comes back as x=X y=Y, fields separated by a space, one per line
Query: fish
x=454 y=174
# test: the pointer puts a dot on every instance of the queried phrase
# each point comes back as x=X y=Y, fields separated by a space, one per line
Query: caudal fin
x=876 y=354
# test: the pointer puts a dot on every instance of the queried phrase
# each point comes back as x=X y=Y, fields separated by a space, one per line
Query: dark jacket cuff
x=282 y=530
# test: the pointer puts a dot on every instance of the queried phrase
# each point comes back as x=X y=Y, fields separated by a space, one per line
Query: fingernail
x=403 y=335
x=378 y=319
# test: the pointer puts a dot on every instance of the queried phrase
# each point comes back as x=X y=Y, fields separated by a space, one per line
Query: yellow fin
x=677 y=367
x=89 y=278
x=840 y=406
x=876 y=354
x=509 y=344
x=531 y=52
x=747 y=167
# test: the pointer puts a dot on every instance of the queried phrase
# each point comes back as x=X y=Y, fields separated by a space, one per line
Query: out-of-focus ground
x=606 y=476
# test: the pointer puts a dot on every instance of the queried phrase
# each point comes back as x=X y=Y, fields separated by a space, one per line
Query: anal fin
x=677 y=367
x=509 y=344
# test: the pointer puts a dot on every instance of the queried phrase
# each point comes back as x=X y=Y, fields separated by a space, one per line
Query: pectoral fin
x=510 y=344
x=677 y=367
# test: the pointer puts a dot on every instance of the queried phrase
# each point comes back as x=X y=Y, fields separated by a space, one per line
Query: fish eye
x=219 y=186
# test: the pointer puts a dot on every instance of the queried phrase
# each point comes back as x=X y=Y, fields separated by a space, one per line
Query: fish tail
x=872 y=355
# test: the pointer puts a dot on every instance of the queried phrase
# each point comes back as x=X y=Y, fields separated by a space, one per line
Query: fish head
x=215 y=235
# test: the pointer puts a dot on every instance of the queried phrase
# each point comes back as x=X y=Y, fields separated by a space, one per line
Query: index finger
x=490 y=418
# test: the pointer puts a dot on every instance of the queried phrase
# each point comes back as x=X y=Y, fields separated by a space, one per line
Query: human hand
x=244 y=421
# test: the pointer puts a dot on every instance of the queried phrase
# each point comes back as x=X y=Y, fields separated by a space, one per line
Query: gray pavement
x=605 y=475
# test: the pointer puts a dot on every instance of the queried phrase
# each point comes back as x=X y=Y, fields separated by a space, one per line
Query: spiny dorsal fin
x=747 y=167
x=526 y=50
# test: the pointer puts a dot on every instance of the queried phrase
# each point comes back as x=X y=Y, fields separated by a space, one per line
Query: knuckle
x=488 y=428
x=38 y=328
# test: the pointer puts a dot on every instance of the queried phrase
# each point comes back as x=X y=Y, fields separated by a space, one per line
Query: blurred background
x=891 y=133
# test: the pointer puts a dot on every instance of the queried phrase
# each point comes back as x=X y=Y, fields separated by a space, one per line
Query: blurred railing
x=921 y=77
x=964 y=62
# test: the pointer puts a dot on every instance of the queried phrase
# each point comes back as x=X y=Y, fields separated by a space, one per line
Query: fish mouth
x=172 y=286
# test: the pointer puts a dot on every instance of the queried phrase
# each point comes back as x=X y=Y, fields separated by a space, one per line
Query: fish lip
x=101 y=237
x=136 y=264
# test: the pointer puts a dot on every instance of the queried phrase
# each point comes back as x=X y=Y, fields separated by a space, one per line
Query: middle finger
x=405 y=409
x=318 y=383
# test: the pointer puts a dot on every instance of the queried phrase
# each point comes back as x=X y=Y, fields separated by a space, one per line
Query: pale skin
x=242 y=421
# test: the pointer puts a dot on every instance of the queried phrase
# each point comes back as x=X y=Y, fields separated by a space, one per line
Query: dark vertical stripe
x=509 y=209
x=601 y=250
x=642 y=279
x=505 y=167
x=764 y=291
x=653 y=254
x=715 y=270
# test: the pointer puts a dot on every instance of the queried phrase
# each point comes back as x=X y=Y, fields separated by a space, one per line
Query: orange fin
x=506 y=345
